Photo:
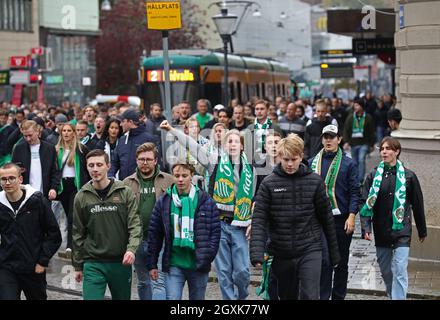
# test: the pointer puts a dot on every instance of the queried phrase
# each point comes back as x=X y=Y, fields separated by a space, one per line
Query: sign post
x=164 y=16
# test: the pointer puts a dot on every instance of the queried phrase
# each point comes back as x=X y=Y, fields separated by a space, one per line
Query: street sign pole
x=166 y=67
x=164 y=16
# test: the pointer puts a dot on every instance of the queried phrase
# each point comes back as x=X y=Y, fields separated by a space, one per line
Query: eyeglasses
x=11 y=180
x=145 y=160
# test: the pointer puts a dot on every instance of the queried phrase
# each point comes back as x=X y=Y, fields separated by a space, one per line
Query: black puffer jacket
x=30 y=237
x=294 y=208
x=382 y=219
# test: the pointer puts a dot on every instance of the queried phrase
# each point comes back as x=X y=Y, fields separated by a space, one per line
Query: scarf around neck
x=265 y=126
x=224 y=194
x=358 y=126
x=330 y=178
x=399 y=195
x=183 y=209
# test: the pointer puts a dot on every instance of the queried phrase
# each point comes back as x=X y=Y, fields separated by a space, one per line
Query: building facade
x=417 y=42
x=19 y=32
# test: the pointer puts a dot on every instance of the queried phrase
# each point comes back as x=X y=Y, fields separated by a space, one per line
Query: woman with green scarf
x=232 y=186
x=72 y=163
x=389 y=192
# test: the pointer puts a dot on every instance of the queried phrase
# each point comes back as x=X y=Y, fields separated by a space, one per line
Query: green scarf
x=183 y=209
x=399 y=195
x=224 y=194
x=330 y=178
x=266 y=125
x=76 y=164
x=263 y=288
x=358 y=126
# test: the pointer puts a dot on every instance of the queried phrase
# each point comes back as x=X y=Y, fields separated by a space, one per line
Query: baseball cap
x=331 y=130
x=219 y=107
x=131 y=114
x=60 y=118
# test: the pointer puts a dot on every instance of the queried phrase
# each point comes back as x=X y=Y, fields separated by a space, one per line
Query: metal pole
x=226 y=84
x=166 y=67
x=369 y=80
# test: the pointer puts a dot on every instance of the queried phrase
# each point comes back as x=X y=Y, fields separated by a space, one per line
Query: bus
x=200 y=74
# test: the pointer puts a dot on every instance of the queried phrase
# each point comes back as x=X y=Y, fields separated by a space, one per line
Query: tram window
x=213 y=92
x=284 y=90
x=188 y=91
x=239 y=96
x=278 y=90
x=231 y=90
x=263 y=90
x=154 y=93
x=258 y=91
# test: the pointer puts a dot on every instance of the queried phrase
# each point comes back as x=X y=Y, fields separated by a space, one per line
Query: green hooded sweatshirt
x=104 y=230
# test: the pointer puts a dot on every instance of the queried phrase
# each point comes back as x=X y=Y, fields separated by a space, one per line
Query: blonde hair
x=189 y=120
x=28 y=124
x=71 y=146
x=212 y=135
x=291 y=146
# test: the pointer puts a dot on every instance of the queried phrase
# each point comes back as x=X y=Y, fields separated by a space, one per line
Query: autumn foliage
x=125 y=36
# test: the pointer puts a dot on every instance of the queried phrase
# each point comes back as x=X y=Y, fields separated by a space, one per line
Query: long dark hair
x=105 y=134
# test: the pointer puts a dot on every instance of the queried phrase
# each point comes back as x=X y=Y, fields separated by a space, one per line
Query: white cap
x=330 y=129
x=219 y=107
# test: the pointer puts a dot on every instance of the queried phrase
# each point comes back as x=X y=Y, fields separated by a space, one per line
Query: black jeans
x=338 y=276
x=32 y=284
x=298 y=278
x=66 y=198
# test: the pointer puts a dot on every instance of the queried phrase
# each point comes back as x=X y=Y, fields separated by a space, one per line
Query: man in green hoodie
x=106 y=232
x=148 y=184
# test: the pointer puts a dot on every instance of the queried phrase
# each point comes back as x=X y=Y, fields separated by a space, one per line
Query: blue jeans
x=148 y=289
x=358 y=154
x=232 y=263
x=175 y=281
x=380 y=133
x=393 y=264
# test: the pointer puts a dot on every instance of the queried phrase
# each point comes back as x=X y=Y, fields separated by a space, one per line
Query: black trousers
x=298 y=278
x=334 y=281
x=32 y=284
x=66 y=198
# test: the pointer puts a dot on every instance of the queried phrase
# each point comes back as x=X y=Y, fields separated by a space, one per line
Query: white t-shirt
x=35 y=174
x=68 y=171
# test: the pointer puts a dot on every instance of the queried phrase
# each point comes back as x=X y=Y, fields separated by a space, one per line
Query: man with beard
x=148 y=184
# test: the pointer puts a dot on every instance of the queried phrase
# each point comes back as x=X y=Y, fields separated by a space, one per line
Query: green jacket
x=104 y=230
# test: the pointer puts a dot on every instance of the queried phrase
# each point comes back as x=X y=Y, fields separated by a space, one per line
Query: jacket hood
x=303 y=170
x=134 y=132
x=88 y=187
x=29 y=192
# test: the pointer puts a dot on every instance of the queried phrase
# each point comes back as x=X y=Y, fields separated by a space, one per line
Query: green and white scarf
x=358 y=126
x=76 y=164
x=399 y=195
x=183 y=209
x=265 y=126
x=263 y=289
x=330 y=178
x=224 y=194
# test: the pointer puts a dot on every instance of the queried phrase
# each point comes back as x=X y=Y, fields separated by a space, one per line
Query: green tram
x=201 y=76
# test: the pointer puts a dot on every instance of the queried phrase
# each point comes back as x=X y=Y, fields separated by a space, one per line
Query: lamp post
x=225 y=24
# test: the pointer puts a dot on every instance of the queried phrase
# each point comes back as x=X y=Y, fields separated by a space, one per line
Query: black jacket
x=294 y=209
x=382 y=219
x=32 y=236
x=206 y=233
x=50 y=174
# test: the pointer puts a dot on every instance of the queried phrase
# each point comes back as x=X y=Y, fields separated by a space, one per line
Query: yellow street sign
x=164 y=15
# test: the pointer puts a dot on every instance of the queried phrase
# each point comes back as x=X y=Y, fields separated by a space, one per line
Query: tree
x=124 y=38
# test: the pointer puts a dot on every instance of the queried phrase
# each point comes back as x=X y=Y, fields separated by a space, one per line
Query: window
x=16 y=15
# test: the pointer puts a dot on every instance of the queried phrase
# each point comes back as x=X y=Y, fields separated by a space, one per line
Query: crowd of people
x=276 y=184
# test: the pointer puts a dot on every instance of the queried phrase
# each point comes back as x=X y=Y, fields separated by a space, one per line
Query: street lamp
x=106 y=5
x=225 y=23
